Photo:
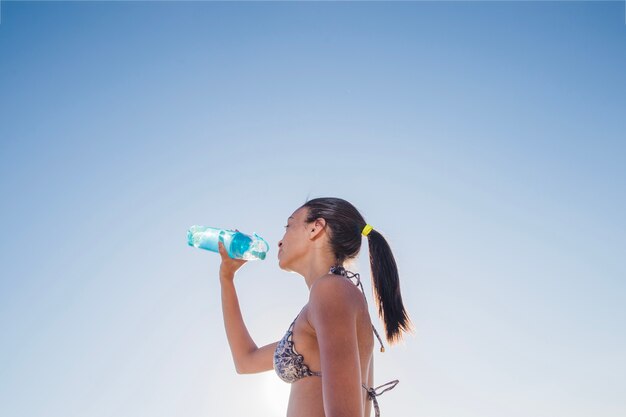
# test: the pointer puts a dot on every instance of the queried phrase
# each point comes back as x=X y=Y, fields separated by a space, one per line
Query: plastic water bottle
x=238 y=245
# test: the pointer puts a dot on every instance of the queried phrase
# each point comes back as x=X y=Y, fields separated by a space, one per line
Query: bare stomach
x=306 y=399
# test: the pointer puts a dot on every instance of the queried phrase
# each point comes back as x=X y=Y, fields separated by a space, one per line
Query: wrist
x=226 y=277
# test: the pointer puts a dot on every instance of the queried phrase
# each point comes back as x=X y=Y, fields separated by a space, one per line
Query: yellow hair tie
x=367 y=229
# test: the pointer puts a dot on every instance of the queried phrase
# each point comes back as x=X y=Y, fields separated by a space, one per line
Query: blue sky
x=485 y=140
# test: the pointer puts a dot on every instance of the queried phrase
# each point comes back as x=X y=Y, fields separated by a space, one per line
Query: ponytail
x=347 y=227
x=386 y=287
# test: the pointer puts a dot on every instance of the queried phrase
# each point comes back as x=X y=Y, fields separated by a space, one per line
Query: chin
x=282 y=266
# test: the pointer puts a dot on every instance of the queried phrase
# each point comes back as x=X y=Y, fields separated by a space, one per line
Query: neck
x=317 y=268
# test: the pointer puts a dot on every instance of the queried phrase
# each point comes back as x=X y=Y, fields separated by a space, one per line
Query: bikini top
x=289 y=364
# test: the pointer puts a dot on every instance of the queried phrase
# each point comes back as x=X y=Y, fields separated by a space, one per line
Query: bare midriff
x=305 y=398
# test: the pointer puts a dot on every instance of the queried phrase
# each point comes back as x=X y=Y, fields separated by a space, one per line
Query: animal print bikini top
x=289 y=364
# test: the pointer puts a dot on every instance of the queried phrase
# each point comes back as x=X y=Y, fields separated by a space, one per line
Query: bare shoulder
x=335 y=293
x=333 y=286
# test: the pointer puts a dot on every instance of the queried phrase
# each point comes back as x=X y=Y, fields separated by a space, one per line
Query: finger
x=223 y=251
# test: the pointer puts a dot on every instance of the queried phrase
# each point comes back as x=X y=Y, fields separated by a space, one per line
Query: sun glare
x=276 y=394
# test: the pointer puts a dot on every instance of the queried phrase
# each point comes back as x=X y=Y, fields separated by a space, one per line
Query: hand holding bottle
x=229 y=265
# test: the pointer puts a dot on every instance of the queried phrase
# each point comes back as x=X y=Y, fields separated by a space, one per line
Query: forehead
x=298 y=213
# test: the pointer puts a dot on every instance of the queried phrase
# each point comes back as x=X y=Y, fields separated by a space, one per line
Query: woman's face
x=295 y=242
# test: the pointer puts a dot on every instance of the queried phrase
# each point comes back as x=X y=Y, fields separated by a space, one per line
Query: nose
x=280 y=244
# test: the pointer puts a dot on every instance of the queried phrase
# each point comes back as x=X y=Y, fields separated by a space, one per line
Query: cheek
x=291 y=246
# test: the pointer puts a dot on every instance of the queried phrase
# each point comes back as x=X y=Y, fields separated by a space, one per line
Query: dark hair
x=345 y=224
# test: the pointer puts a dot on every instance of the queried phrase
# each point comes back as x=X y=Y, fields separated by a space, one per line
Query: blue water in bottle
x=238 y=245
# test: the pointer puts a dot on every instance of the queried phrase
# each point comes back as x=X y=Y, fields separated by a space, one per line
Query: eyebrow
x=290 y=217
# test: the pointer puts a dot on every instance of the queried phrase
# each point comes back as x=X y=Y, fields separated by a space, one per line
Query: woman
x=332 y=370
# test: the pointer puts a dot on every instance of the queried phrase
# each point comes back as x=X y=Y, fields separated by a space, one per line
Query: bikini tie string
x=372 y=394
x=348 y=274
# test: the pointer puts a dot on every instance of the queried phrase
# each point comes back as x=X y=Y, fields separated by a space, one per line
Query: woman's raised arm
x=248 y=358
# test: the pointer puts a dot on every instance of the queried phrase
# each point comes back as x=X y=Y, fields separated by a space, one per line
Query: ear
x=316 y=227
x=320 y=222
